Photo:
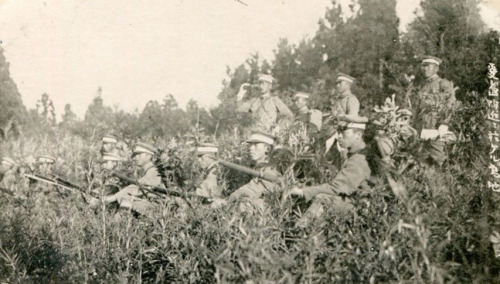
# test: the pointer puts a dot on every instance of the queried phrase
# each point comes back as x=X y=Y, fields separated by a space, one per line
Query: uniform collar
x=266 y=96
x=304 y=110
x=148 y=166
x=356 y=148
x=345 y=94
x=432 y=78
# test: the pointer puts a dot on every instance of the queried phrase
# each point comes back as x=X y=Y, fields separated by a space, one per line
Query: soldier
x=8 y=171
x=346 y=103
x=208 y=161
x=433 y=110
x=344 y=107
x=352 y=175
x=46 y=165
x=111 y=144
x=312 y=118
x=131 y=196
x=265 y=109
x=110 y=162
x=250 y=195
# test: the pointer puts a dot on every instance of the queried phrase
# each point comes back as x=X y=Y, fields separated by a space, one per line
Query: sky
x=138 y=51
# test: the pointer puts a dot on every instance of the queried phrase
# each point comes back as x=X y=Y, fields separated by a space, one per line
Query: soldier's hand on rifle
x=243 y=90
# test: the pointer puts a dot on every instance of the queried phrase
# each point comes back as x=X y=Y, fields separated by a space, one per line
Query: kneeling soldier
x=353 y=173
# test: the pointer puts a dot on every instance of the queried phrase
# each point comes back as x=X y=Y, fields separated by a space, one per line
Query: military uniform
x=312 y=118
x=434 y=107
x=353 y=174
x=209 y=187
x=132 y=197
x=346 y=104
x=265 y=110
x=251 y=195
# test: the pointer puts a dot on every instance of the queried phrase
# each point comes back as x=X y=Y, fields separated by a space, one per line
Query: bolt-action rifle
x=58 y=182
x=159 y=190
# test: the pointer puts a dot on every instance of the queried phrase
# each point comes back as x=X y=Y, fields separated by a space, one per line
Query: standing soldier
x=345 y=106
x=433 y=110
x=267 y=108
x=8 y=171
x=208 y=161
x=346 y=103
x=352 y=175
x=131 y=196
x=251 y=195
x=312 y=118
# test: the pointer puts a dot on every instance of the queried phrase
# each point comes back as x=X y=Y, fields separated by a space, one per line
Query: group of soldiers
x=426 y=119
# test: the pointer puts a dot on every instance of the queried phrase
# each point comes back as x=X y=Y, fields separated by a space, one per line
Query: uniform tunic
x=346 y=104
x=312 y=118
x=265 y=110
x=131 y=195
x=208 y=187
x=353 y=173
x=253 y=192
x=434 y=107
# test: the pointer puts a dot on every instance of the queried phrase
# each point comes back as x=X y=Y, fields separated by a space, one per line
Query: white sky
x=142 y=50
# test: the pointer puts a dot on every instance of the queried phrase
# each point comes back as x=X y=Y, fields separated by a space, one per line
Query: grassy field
x=438 y=234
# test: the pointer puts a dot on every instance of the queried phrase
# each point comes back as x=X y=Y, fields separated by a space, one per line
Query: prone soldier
x=111 y=144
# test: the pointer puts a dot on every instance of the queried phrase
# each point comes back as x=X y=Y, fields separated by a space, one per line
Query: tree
x=13 y=112
x=97 y=113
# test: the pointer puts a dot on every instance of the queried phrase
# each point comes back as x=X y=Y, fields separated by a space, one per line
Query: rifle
x=161 y=190
x=263 y=175
x=58 y=182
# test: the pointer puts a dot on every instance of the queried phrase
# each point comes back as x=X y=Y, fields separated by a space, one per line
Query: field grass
x=438 y=234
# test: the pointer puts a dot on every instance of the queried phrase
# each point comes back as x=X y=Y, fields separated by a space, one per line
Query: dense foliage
x=437 y=233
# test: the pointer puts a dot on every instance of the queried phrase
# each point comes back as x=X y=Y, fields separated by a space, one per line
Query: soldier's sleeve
x=448 y=102
x=349 y=178
x=245 y=106
x=151 y=178
x=282 y=108
x=317 y=118
x=352 y=106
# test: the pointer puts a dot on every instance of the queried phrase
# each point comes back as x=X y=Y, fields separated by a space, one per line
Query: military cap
x=266 y=78
x=141 y=147
x=404 y=111
x=431 y=60
x=46 y=159
x=110 y=138
x=354 y=122
x=207 y=148
x=302 y=95
x=8 y=161
x=111 y=157
x=261 y=137
x=344 y=77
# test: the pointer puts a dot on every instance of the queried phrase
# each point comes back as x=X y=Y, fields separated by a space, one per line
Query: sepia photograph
x=249 y=141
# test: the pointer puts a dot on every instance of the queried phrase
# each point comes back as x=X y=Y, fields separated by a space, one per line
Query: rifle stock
x=156 y=189
x=252 y=172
